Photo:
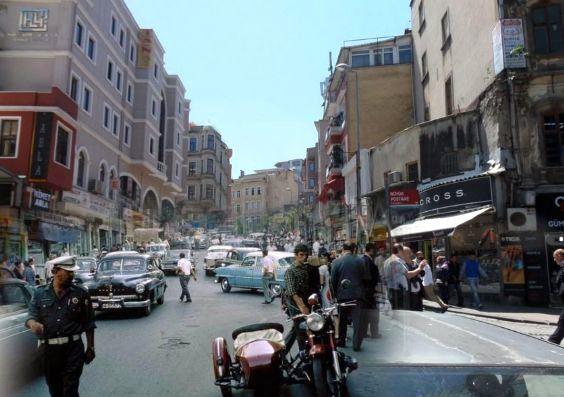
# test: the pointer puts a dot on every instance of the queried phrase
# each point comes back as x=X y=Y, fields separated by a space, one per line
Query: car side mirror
x=346 y=283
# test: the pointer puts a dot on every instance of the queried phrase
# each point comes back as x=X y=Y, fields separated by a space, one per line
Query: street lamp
x=344 y=67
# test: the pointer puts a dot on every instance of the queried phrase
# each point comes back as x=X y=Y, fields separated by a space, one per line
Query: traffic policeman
x=59 y=313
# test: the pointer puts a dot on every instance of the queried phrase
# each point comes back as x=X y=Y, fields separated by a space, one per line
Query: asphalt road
x=169 y=352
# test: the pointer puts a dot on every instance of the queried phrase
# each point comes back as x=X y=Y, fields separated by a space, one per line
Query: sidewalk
x=519 y=314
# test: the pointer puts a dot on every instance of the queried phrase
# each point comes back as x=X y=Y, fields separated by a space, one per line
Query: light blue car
x=248 y=274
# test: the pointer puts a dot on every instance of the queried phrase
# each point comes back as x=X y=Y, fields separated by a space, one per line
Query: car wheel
x=276 y=290
x=225 y=286
x=160 y=301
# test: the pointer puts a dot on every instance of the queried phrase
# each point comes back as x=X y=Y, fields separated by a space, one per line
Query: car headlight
x=315 y=322
x=140 y=288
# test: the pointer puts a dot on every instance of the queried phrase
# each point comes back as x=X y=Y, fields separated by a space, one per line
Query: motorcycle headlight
x=140 y=288
x=315 y=322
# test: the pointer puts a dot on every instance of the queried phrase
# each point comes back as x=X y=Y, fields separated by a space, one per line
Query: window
x=74 y=87
x=238 y=209
x=449 y=100
x=405 y=54
x=258 y=191
x=113 y=26
x=311 y=166
x=246 y=205
x=176 y=169
x=553 y=132
x=193 y=145
x=9 y=133
x=177 y=138
x=106 y=117
x=102 y=178
x=91 y=48
x=388 y=56
x=547 y=29
x=211 y=142
x=449 y=163
x=156 y=71
x=191 y=192
x=209 y=166
x=78 y=34
x=112 y=192
x=252 y=191
x=445 y=29
x=154 y=108
x=63 y=146
x=421 y=12
x=152 y=146
x=191 y=168
x=110 y=71
x=121 y=37
x=209 y=191
x=115 y=124
x=126 y=134
x=132 y=53
x=118 y=79
x=179 y=108
x=87 y=99
x=81 y=170
x=412 y=171
x=424 y=71
x=360 y=59
x=246 y=191
x=311 y=183
x=130 y=93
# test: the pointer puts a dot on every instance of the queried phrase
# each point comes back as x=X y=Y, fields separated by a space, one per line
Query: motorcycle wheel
x=225 y=391
x=320 y=378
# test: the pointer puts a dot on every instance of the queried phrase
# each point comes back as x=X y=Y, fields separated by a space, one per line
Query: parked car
x=87 y=266
x=169 y=263
x=234 y=257
x=126 y=280
x=248 y=274
x=19 y=358
x=161 y=249
x=214 y=256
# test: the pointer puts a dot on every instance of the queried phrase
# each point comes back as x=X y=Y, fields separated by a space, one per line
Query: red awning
x=336 y=185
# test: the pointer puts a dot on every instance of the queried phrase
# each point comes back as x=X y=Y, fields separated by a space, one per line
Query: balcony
x=334 y=133
x=161 y=167
x=193 y=174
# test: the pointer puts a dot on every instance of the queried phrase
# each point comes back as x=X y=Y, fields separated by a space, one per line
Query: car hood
x=117 y=279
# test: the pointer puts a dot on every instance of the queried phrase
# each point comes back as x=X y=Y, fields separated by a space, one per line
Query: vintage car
x=214 y=256
x=234 y=257
x=126 y=280
x=160 y=249
x=248 y=274
x=168 y=264
x=250 y=244
x=19 y=358
x=87 y=269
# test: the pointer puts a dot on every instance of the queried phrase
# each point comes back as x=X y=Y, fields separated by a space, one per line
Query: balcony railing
x=161 y=167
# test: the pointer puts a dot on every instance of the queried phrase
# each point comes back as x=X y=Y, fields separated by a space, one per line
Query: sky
x=252 y=68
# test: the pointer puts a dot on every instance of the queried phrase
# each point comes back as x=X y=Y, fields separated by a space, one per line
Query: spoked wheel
x=225 y=286
x=225 y=391
x=323 y=376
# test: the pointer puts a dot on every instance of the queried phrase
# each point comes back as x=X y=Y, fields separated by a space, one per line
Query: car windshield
x=156 y=248
x=125 y=265
x=179 y=246
x=86 y=264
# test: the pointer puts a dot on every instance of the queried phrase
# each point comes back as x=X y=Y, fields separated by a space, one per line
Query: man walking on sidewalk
x=454 y=279
x=558 y=334
x=369 y=304
x=267 y=277
x=427 y=281
x=184 y=270
x=472 y=270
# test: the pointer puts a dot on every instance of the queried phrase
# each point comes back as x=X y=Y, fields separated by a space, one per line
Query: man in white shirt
x=267 y=277
x=184 y=270
x=428 y=283
x=315 y=248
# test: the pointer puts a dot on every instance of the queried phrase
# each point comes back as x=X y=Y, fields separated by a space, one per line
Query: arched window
x=81 y=170
x=111 y=190
x=102 y=178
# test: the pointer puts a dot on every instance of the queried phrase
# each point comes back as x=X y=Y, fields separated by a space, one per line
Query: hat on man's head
x=67 y=262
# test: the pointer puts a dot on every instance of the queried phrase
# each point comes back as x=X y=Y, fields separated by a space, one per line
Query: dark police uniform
x=64 y=319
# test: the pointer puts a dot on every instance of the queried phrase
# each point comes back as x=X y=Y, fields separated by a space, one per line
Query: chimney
x=242 y=174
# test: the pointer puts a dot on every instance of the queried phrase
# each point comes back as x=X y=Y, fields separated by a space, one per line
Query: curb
x=494 y=317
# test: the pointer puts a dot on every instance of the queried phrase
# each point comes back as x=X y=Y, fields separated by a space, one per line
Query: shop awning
x=56 y=233
x=425 y=229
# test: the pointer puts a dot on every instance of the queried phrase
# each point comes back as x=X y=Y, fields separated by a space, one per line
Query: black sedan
x=87 y=269
x=126 y=280
x=433 y=354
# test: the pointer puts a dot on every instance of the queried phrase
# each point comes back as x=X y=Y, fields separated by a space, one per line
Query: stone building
x=125 y=146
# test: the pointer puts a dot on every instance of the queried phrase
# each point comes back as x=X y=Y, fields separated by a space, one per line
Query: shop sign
x=401 y=197
x=536 y=278
x=41 y=146
x=456 y=196
x=96 y=204
x=512 y=265
x=550 y=211
x=508 y=35
x=40 y=200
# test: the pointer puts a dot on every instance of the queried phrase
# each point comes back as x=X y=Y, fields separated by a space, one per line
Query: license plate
x=112 y=305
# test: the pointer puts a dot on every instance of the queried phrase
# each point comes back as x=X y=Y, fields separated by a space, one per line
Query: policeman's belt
x=60 y=341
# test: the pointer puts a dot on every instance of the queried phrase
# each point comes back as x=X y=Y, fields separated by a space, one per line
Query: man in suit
x=350 y=267
x=369 y=304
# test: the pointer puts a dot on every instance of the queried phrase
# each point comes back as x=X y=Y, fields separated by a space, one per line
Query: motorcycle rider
x=296 y=294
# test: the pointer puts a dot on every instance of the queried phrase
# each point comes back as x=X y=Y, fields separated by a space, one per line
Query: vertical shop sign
x=41 y=146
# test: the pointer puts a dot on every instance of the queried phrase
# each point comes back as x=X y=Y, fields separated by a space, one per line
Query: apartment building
x=208 y=177
x=124 y=147
x=381 y=70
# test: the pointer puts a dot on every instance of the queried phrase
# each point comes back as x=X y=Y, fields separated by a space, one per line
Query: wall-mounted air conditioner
x=394 y=177
x=521 y=219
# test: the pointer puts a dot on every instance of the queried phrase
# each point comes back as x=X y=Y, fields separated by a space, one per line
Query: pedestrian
x=185 y=270
x=558 y=333
x=442 y=277
x=371 y=310
x=6 y=271
x=267 y=277
x=315 y=247
x=296 y=294
x=472 y=270
x=415 y=286
x=427 y=281
x=325 y=282
x=454 y=268
x=350 y=267
x=29 y=272
x=19 y=269
x=59 y=313
x=396 y=276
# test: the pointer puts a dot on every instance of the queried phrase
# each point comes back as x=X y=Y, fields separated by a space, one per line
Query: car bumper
x=100 y=305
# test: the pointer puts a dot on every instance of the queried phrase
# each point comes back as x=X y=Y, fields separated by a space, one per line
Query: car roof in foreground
x=220 y=248
x=431 y=338
x=122 y=254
